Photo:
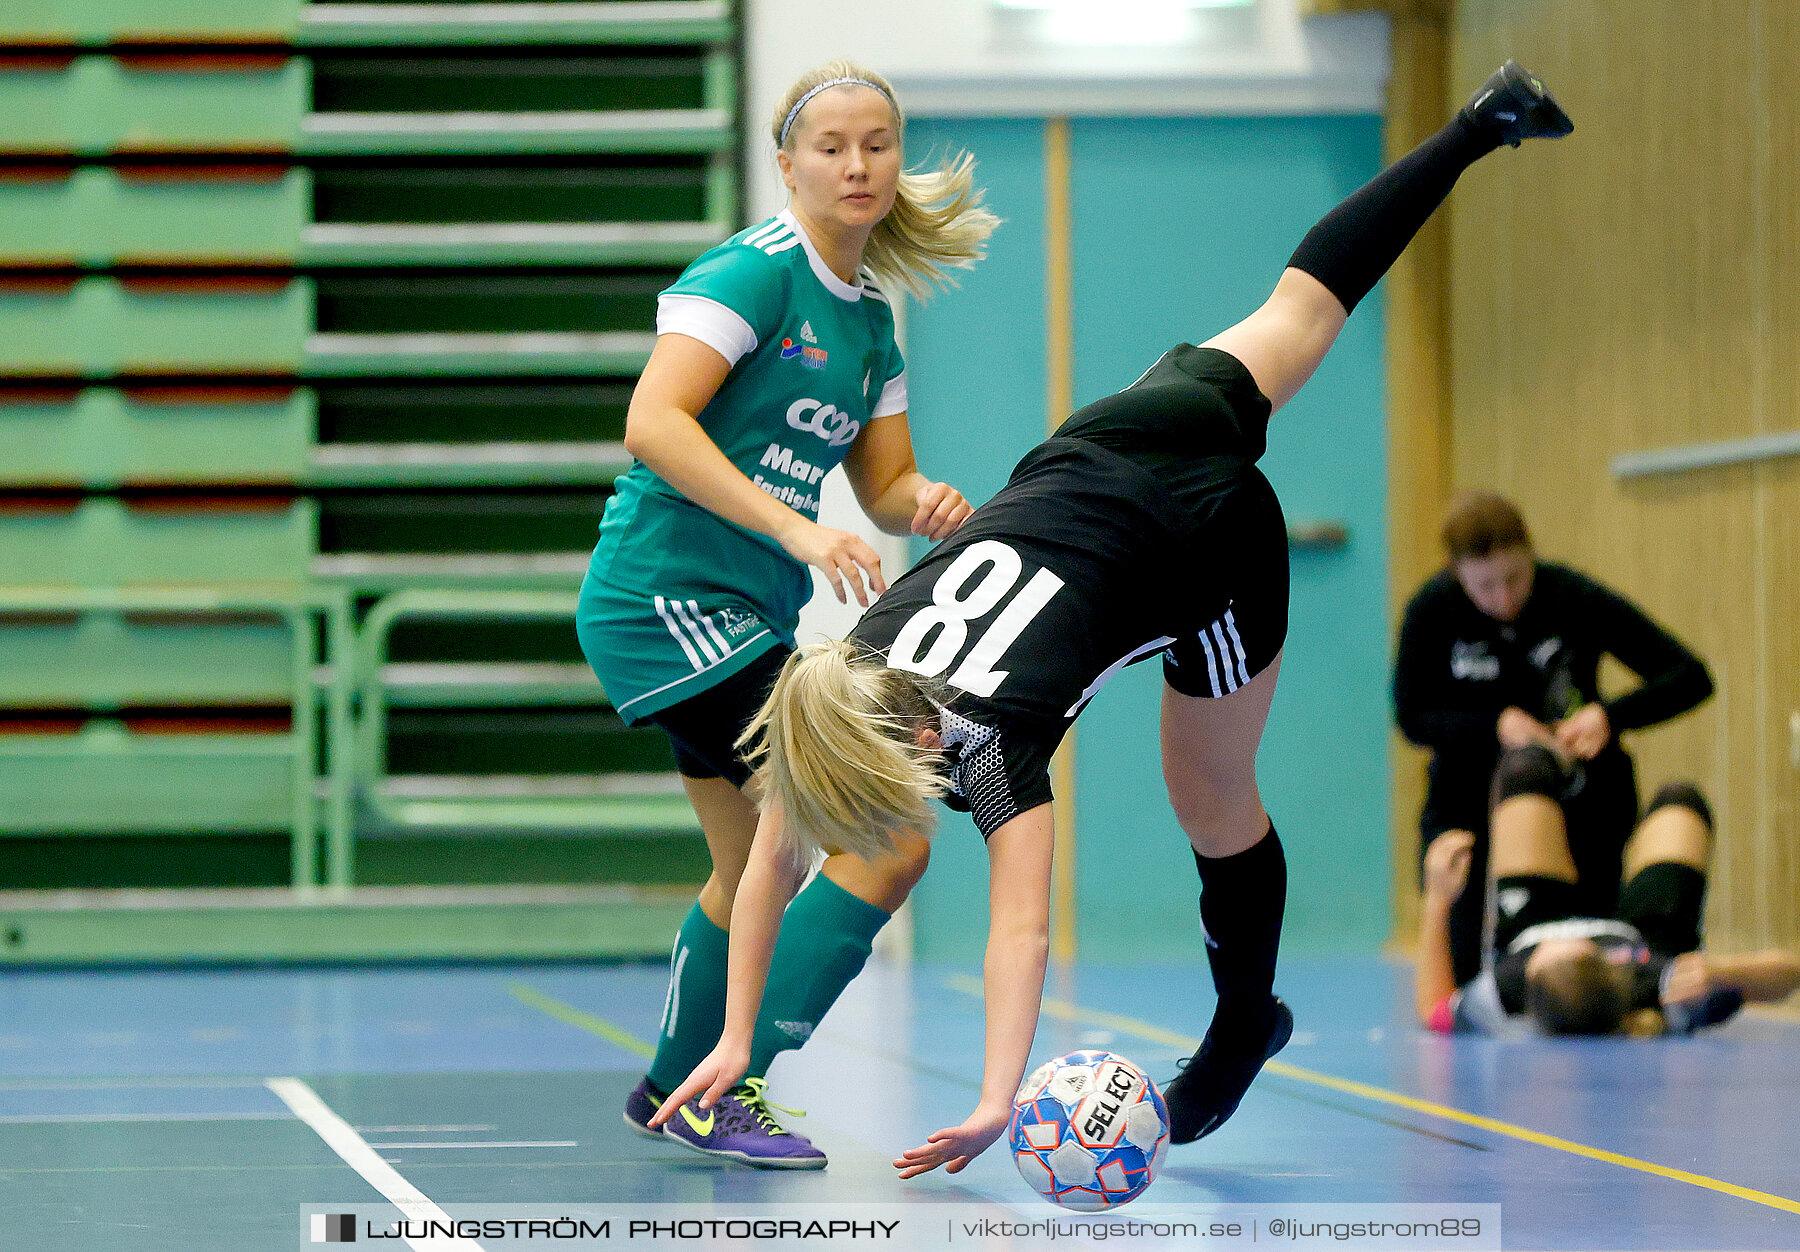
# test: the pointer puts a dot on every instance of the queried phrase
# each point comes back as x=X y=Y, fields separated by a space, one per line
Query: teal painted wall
x=976 y=354
x=1180 y=228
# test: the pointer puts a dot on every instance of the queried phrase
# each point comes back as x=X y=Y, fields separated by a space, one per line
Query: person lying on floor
x=1643 y=969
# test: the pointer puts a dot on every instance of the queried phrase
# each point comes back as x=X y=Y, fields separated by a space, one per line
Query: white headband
x=835 y=82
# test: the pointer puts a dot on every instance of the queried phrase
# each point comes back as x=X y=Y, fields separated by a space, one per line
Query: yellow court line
x=575 y=1017
x=1155 y=1034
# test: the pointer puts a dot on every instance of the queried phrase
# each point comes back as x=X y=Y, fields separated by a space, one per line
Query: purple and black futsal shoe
x=1213 y=1081
x=641 y=1106
x=1513 y=101
x=741 y=1128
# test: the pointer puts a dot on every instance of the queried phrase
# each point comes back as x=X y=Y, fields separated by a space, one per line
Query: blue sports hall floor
x=144 y=1110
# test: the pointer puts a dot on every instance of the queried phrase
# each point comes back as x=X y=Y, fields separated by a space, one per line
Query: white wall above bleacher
x=972 y=57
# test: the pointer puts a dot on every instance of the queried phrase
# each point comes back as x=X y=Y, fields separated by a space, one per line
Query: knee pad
x=1528 y=771
x=1685 y=794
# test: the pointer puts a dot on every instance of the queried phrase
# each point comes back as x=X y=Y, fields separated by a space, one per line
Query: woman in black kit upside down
x=1141 y=528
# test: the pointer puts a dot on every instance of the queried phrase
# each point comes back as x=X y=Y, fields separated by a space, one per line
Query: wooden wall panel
x=1776 y=856
x=1634 y=287
x=1418 y=382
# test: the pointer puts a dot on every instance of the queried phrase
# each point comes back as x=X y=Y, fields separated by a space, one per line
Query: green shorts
x=650 y=652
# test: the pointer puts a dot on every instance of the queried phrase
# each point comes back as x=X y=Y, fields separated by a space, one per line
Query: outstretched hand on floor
x=955 y=1146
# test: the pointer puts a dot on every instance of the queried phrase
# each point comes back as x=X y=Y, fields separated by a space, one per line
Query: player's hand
x=838 y=554
x=1519 y=729
x=722 y=1069
x=1585 y=732
x=955 y=1146
x=1687 y=979
x=941 y=509
x=1447 y=864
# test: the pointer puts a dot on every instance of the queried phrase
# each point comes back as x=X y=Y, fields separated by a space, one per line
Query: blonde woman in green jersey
x=775 y=361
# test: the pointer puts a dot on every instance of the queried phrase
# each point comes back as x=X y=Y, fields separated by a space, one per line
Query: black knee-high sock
x=1355 y=244
x=1241 y=902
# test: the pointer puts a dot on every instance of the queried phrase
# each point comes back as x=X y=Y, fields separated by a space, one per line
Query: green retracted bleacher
x=317 y=327
x=96 y=216
x=108 y=326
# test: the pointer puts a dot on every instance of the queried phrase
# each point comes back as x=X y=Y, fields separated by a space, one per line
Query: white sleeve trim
x=893 y=397
x=718 y=327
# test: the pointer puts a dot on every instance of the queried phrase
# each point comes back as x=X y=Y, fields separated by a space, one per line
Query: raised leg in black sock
x=1359 y=241
x=1356 y=243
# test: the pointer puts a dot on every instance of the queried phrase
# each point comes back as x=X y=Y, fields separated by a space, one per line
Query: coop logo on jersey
x=827 y=421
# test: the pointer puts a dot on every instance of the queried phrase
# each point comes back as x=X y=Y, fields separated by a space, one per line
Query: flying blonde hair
x=836 y=747
x=937 y=223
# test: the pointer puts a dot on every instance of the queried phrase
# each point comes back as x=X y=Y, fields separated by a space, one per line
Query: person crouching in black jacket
x=1501 y=649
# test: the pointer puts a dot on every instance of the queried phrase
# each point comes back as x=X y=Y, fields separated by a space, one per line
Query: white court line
x=417 y=1130
x=342 y=1139
x=543 y=1143
x=129 y=1084
x=31 y=1118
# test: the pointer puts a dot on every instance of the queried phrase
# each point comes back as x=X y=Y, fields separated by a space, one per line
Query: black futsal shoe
x=1515 y=103
x=1213 y=1081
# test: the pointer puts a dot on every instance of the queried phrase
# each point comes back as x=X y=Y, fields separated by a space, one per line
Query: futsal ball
x=1089 y=1130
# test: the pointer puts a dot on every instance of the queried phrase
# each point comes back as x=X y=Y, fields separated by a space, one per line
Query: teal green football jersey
x=813 y=362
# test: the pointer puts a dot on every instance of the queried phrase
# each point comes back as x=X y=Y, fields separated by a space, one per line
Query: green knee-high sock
x=825 y=938
x=694 y=1013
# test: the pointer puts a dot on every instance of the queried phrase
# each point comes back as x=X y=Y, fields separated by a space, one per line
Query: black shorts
x=1197 y=422
x=1666 y=902
x=1543 y=900
x=704 y=728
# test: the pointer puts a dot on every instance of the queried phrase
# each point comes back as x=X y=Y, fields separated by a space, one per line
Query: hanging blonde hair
x=937 y=223
x=836 y=747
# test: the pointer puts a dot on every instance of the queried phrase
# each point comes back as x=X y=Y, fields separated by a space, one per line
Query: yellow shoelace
x=759 y=1104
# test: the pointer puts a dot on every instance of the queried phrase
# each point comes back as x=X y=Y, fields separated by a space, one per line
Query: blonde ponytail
x=938 y=222
x=836 y=746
